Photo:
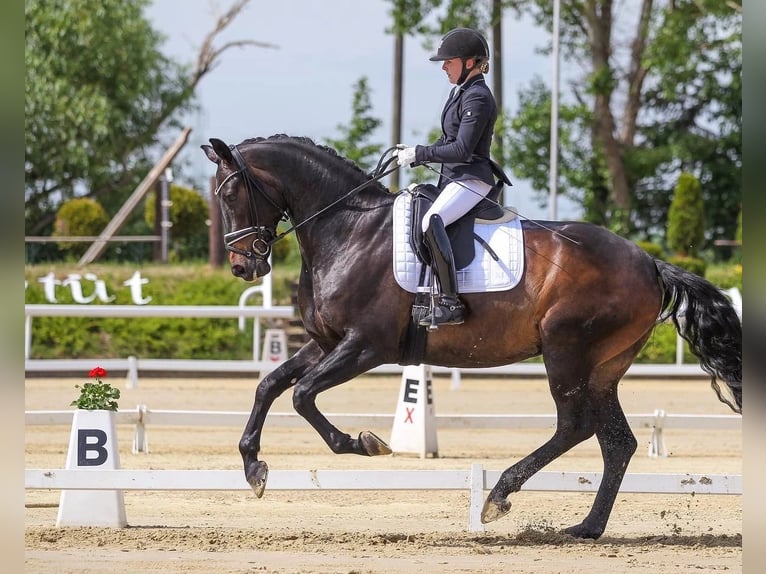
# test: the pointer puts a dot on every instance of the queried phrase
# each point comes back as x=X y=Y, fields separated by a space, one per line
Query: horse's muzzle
x=249 y=269
x=262 y=268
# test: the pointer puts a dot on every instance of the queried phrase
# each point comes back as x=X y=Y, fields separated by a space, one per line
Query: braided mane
x=309 y=142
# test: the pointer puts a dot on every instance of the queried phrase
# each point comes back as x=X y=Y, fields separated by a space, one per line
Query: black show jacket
x=468 y=121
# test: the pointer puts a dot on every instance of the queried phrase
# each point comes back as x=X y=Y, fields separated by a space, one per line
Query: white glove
x=405 y=155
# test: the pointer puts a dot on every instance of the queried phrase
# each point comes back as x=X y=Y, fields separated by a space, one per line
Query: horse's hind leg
x=573 y=426
x=617 y=444
x=586 y=403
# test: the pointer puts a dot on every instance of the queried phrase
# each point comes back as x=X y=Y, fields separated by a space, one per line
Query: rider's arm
x=475 y=110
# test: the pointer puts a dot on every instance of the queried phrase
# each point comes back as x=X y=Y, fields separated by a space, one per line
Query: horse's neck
x=349 y=228
x=323 y=197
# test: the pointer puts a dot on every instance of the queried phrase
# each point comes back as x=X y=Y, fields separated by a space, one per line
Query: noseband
x=264 y=236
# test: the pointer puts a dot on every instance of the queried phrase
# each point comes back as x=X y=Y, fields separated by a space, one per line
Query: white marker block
x=414 y=428
x=274 y=349
x=92 y=445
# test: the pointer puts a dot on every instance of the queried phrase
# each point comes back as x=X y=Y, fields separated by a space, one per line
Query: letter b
x=91 y=440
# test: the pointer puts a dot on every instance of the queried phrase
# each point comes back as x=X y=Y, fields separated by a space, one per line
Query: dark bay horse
x=588 y=301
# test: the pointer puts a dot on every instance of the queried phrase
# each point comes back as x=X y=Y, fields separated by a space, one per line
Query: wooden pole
x=396 y=112
x=157 y=247
x=97 y=247
x=216 y=250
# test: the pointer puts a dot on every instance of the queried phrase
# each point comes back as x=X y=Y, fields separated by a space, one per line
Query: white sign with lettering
x=99 y=291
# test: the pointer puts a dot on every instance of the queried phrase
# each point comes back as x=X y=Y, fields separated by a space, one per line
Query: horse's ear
x=211 y=155
x=221 y=150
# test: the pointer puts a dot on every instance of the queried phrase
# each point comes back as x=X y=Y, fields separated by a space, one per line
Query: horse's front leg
x=347 y=360
x=272 y=385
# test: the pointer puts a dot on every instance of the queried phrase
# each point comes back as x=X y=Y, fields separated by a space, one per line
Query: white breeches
x=455 y=200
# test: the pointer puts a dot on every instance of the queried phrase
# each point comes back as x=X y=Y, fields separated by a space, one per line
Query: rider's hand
x=405 y=155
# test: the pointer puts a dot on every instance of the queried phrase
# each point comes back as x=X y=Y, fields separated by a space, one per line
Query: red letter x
x=408 y=418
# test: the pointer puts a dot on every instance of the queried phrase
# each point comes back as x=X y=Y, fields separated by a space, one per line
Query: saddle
x=461 y=233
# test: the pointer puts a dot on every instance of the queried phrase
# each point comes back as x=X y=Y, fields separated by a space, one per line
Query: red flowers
x=97 y=373
x=98 y=395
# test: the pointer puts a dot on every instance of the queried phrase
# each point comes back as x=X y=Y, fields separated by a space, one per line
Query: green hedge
x=151 y=337
x=199 y=284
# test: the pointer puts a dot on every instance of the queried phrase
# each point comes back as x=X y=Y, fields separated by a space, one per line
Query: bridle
x=265 y=237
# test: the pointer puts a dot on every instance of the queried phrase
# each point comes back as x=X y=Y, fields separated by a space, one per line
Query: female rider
x=468 y=121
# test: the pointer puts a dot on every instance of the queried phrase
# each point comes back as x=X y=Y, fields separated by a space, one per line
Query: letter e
x=410 y=391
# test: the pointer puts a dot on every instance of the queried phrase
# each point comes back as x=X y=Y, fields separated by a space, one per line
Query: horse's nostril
x=238 y=270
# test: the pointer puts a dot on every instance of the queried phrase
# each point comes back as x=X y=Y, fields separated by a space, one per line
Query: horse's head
x=250 y=215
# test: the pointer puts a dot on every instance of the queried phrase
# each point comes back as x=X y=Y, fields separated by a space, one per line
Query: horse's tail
x=706 y=319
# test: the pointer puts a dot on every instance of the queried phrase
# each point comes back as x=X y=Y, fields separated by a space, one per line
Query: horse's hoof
x=373 y=445
x=583 y=531
x=257 y=478
x=493 y=510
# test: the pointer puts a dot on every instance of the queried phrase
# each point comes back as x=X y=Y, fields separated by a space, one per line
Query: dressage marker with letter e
x=92 y=445
x=414 y=428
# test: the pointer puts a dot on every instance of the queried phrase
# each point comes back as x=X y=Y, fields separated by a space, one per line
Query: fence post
x=27 y=336
x=140 y=440
x=476 y=498
x=455 y=379
x=132 y=374
x=657 y=442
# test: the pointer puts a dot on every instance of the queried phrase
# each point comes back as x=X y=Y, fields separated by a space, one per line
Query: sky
x=304 y=86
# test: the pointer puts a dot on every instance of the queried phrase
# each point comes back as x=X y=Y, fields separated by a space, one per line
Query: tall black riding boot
x=450 y=309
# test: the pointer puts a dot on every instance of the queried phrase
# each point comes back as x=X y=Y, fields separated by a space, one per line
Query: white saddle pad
x=483 y=273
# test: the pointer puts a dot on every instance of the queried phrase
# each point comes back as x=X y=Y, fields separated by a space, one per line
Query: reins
x=381 y=170
x=503 y=207
x=377 y=174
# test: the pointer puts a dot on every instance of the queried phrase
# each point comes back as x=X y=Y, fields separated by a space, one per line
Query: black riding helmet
x=463 y=43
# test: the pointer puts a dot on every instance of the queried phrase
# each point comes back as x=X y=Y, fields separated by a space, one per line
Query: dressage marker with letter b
x=274 y=349
x=92 y=445
x=414 y=428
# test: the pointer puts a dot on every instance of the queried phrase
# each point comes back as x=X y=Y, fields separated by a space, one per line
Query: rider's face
x=454 y=68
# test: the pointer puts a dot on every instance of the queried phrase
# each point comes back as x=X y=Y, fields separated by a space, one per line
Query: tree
x=527 y=138
x=188 y=215
x=663 y=98
x=406 y=16
x=354 y=144
x=686 y=218
x=80 y=216
x=695 y=95
x=99 y=97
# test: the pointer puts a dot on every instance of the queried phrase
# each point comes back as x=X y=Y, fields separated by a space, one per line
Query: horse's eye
x=229 y=195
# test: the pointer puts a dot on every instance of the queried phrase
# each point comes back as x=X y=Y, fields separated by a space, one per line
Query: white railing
x=132 y=365
x=142 y=416
x=476 y=480
x=264 y=289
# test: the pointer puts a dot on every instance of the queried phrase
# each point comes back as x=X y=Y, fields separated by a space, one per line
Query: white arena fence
x=142 y=417
x=133 y=365
x=476 y=480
